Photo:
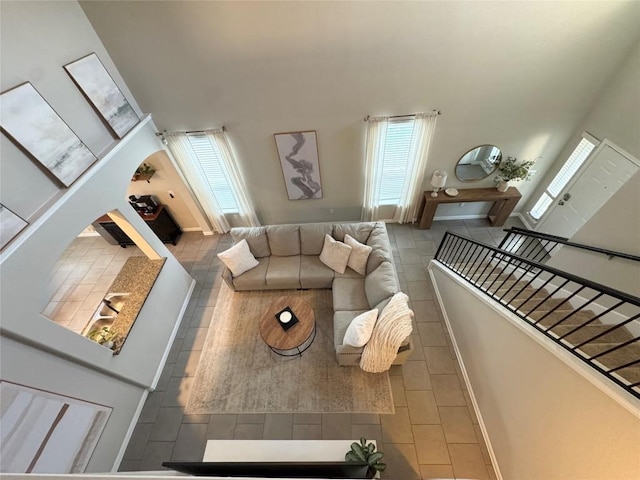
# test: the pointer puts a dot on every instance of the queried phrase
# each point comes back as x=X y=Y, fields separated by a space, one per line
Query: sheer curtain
x=423 y=128
x=376 y=138
x=191 y=169
x=246 y=211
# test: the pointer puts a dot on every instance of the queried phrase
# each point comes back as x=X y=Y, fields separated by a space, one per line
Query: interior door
x=588 y=191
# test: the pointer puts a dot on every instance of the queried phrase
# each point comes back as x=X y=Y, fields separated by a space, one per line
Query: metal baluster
x=607 y=331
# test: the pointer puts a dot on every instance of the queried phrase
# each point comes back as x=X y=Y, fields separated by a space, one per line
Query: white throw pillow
x=359 y=254
x=360 y=329
x=238 y=258
x=335 y=254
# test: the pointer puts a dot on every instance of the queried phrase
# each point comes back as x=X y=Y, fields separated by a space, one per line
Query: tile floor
x=81 y=278
x=434 y=432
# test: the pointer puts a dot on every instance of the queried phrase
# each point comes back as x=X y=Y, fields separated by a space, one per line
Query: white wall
x=166 y=179
x=544 y=420
x=616 y=226
x=520 y=75
x=37 y=39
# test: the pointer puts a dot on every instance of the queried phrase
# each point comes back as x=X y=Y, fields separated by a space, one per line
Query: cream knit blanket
x=392 y=327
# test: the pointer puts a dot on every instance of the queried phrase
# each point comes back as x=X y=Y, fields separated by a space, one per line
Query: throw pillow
x=360 y=329
x=380 y=284
x=359 y=254
x=238 y=258
x=335 y=255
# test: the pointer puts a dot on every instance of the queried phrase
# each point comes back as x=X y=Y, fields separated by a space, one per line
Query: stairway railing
x=538 y=246
x=597 y=324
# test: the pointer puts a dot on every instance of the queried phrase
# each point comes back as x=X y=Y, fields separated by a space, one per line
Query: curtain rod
x=437 y=112
x=164 y=132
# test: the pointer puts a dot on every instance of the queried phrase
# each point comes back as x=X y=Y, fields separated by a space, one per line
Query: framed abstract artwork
x=29 y=121
x=298 y=152
x=97 y=86
x=45 y=432
x=10 y=225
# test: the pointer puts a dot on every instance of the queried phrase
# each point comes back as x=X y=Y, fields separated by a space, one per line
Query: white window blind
x=395 y=161
x=208 y=159
x=564 y=176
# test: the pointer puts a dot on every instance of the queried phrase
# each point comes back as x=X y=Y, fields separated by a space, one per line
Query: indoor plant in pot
x=104 y=336
x=144 y=172
x=510 y=169
x=366 y=452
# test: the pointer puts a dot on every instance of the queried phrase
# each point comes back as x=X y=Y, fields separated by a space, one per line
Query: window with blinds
x=394 y=161
x=206 y=156
x=564 y=176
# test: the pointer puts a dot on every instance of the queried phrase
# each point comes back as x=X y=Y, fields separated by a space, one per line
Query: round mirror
x=478 y=163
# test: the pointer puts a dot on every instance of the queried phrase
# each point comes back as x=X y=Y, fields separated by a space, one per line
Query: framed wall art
x=298 y=152
x=44 y=432
x=10 y=225
x=97 y=86
x=30 y=122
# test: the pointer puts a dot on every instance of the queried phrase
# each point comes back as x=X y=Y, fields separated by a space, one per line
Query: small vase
x=503 y=186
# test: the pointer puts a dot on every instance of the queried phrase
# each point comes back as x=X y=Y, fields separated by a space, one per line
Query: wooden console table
x=503 y=203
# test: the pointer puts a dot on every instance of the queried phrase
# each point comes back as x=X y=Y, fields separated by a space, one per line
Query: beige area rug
x=238 y=373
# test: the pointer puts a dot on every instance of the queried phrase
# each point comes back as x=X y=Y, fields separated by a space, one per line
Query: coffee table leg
x=299 y=351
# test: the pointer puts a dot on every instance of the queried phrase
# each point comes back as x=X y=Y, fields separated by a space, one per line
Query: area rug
x=238 y=373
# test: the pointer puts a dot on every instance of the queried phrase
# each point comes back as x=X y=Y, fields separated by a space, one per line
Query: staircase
x=597 y=324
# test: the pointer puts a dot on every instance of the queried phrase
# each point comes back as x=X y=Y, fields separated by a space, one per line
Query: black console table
x=161 y=222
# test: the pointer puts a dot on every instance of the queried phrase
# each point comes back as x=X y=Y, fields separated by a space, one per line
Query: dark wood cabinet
x=161 y=222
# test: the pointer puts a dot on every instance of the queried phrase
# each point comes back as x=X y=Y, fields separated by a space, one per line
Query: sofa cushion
x=359 y=254
x=314 y=273
x=254 y=279
x=348 y=273
x=360 y=231
x=238 y=258
x=335 y=254
x=283 y=272
x=312 y=237
x=360 y=329
x=379 y=241
x=381 y=283
x=284 y=240
x=341 y=321
x=256 y=237
x=349 y=294
x=380 y=306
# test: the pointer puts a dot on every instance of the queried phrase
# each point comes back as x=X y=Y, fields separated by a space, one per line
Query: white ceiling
x=520 y=75
x=196 y=64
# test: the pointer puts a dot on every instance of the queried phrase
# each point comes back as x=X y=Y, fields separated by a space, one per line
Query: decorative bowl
x=452 y=192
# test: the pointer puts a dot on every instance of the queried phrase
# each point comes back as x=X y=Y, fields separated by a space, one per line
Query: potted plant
x=104 y=336
x=510 y=169
x=144 y=172
x=366 y=452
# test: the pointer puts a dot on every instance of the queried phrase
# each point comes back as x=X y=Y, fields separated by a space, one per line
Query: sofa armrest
x=228 y=278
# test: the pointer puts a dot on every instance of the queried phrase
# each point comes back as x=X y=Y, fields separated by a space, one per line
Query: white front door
x=588 y=191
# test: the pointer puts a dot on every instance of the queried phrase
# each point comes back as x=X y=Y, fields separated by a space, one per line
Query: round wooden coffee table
x=298 y=337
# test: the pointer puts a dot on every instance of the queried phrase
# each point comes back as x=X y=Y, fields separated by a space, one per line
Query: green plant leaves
x=373 y=459
x=366 y=452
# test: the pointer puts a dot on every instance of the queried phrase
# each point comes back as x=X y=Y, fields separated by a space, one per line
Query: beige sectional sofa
x=289 y=258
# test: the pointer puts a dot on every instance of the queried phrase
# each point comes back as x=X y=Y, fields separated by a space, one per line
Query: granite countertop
x=136 y=277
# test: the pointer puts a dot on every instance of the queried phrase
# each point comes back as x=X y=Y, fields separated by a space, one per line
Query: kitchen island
x=136 y=278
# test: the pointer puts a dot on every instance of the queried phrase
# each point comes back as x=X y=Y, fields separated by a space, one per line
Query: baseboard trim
x=524 y=219
x=192 y=229
x=465 y=375
x=460 y=217
x=129 y=434
x=619 y=395
x=154 y=383
x=172 y=338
